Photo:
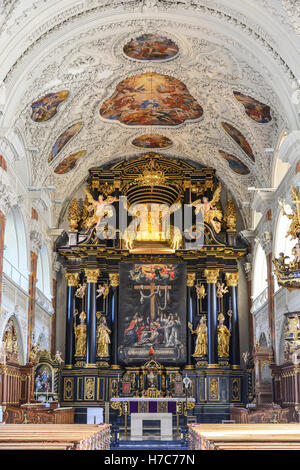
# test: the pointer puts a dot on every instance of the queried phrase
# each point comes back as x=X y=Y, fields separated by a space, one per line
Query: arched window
x=260 y=272
x=15 y=261
x=43 y=273
x=283 y=244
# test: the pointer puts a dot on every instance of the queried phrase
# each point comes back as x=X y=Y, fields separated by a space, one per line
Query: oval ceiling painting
x=151 y=141
x=256 y=110
x=69 y=163
x=45 y=108
x=239 y=139
x=63 y=139
x=151 y=99
x=235 y=163
x=151 y=47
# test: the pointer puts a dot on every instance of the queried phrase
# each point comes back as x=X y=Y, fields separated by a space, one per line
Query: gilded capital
x=211 y=275
x=72 y=279
x=92 y=275
x=190 y=279
x=114 y=279
x=232 y=279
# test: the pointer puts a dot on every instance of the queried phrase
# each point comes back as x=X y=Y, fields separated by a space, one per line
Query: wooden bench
x=244 y=436
x=55 y=437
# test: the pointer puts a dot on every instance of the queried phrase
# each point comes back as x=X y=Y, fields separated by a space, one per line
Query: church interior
x=149 y=225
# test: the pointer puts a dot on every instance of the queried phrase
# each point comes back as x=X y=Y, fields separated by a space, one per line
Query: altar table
x=166 y=426
x=131 y=405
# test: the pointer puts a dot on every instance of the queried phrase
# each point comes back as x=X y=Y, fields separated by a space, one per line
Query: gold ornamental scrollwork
x=211 y=275
x=232 y=279
x=117 y=405
x=89 y=388
x=74 y=215
x=92 y=275
x=114 y=279
x=230 y=216
x=68 y=388
x=190 y=279
x=213 y=388
x=72 y=279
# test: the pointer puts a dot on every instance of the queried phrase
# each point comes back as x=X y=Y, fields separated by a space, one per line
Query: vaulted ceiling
x=86 y=83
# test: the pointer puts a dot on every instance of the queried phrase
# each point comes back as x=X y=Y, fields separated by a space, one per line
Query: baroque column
x=114 y=307
x=36 y=243
x=190 y=280
x=2 y=230
x=232 y=280
x=72 y=280
x=211 y=279
x=92 y=275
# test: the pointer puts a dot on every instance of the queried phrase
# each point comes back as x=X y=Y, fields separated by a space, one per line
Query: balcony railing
x=15 y=275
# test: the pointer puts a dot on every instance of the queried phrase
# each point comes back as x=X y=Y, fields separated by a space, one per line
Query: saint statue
x=80 y=336
x=201 y=341
x=211 y=214
x=223 y=337
x=100 y=206
x=103 y=339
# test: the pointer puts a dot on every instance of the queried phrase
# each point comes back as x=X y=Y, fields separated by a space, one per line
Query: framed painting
x=152 y=313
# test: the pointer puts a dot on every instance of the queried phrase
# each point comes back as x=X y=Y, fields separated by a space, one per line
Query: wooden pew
x=52 y=436
x=244 y=436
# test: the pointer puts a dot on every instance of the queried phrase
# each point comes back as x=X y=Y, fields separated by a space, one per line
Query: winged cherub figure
x=210 y=211
x=100 y=206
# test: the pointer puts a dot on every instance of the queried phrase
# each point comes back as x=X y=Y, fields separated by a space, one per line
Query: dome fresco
x=151 y=47
x=69 y=163
x=151 y=141
x=238 y=137
x=45 y=107
x=151 y=99
x=235 y=163
x=63 y=139
x=256 y=110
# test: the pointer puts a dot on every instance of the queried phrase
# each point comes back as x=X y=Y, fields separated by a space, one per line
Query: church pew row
x=55 y=437
x=244 y=436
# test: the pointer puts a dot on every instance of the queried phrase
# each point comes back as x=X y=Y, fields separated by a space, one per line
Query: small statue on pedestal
x=201 y=341
x=223 y=337
x=80 y=336
x=103 y=339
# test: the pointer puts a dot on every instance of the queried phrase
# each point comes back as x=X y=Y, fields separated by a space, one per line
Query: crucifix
x=154 y=290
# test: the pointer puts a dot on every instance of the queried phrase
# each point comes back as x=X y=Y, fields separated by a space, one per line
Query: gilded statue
x=100 y=207
x=102 y=290
x=80 y=336
x=10 y=340
x=103 y=339
x=201 y=341
x=200 y=291
x=230 y=216
x=211 y=214
x=294 y=229
x=74 y=215
x=221 y=290
x=223 y=337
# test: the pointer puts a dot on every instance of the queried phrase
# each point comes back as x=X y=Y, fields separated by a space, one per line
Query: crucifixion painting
x=152 y=312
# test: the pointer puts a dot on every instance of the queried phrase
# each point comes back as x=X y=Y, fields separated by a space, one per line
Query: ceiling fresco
x=235 y=163
x=69 y=163
x=256 y=110
x=151 y=99
x=238 y=137
x=151 y=47
x=151 y=141
x=45 y=108
x=63 y=139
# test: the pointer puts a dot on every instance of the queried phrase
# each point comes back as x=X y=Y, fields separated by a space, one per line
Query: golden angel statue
x=201 y=341
x=80 y=336
x=200 y=291
x=102 y=290
x=100 y=206
x=103 y=339
x=221 y=289
x=210 y=211
x=81 y=290
x=223 y=337
x=294 y=229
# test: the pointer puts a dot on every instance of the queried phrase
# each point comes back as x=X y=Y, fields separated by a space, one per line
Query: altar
x=161 y=409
